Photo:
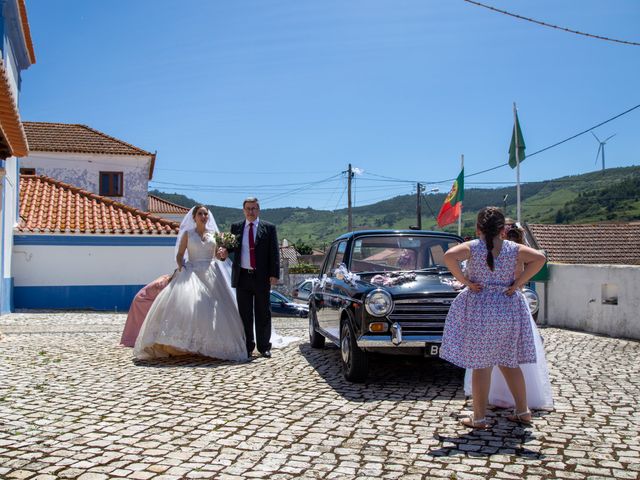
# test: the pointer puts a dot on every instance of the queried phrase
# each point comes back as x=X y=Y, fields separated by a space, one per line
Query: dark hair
x=490 y=222
x=515 y=234
x=250 y=200
x=196 y=208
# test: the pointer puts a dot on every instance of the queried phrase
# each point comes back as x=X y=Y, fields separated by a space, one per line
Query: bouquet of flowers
x=225 y=239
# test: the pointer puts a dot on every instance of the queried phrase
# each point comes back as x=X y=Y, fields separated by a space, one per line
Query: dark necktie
x=252 y=247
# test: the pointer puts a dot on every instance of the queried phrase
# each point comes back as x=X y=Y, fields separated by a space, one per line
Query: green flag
x=512 y=147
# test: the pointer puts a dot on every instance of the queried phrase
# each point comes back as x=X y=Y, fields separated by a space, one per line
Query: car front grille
x=421 y=316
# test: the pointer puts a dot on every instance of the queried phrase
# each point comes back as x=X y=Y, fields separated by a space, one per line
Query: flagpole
x=461 y=203
x=515 y=133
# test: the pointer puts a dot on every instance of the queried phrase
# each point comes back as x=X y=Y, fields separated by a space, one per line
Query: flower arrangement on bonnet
x=225 y=239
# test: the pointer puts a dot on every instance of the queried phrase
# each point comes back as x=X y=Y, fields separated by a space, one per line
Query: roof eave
x=10 y=123
x=152 y=165
x=26 y=31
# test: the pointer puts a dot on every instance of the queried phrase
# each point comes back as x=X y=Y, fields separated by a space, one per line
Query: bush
x=304 y=268
x=303 y=248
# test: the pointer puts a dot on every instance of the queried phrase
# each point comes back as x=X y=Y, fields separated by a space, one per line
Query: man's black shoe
x=266 y=354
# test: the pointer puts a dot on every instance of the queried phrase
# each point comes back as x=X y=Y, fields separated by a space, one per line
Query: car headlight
x=532 y=300
x=378 y=303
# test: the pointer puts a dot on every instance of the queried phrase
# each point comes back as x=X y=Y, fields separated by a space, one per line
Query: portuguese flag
x=452 y=206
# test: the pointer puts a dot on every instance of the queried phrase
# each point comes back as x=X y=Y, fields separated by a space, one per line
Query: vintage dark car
x=382 y=291
x=385 y=291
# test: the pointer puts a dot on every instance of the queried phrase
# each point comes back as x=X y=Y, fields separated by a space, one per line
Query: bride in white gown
x=197 y=312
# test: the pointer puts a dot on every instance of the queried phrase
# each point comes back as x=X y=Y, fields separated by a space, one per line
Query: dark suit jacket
x=266 y=250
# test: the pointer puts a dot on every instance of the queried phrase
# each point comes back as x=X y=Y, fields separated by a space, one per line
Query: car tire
x=315 y=339
x=355 y=362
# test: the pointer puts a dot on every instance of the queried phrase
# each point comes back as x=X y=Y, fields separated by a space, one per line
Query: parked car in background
x=302 y=290
x=282 y=306
x=382 y=291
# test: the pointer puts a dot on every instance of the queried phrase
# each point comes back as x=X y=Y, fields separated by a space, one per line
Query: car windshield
x=386 y=253
x=277 y=297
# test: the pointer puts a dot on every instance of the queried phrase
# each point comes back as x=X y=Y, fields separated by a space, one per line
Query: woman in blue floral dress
x=488 y=324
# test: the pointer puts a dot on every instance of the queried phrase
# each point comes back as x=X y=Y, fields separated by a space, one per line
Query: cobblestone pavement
x=74 y=405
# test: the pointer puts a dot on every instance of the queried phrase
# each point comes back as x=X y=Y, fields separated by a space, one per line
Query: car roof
x=426 y=233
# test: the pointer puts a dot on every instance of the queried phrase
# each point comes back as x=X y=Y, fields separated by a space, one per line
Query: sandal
x=517 y=418
x=480 y=424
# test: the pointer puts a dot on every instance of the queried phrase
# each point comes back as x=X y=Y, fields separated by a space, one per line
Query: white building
x=594 y=273
x=89 y=159
x=74 y=249
x=17 y=54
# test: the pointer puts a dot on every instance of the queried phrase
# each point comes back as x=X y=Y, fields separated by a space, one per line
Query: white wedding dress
x=197 y=312
x=536 y=379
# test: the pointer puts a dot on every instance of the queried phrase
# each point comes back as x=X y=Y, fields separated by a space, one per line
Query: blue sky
x=276 y=98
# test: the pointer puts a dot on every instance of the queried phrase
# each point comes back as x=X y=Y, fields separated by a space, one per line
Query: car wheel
x=355 y=363
x=315 y=339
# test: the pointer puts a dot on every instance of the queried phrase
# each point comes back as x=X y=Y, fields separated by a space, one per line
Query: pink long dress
x=140 y=307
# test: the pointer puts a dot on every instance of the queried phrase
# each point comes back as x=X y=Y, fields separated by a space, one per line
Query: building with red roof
x=74 y=249
x=16 y=55
x=89 y=159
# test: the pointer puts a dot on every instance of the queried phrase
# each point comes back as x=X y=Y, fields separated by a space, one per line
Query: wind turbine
x=601 y=147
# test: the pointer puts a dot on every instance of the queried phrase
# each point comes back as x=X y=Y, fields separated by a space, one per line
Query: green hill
x=612 y=195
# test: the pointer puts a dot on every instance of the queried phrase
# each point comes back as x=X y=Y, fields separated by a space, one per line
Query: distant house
x=89 y=159
x=74 y=249
x=594 y=273
x=288 y=255
x=165 y=209
x=17 y=54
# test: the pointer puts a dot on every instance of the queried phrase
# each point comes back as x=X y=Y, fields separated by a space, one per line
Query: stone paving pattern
x=75 y=405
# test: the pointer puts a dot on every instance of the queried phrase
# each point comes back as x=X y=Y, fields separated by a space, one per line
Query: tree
x=303 y=248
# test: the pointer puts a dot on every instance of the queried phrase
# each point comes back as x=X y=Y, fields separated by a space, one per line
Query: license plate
x=432 y=350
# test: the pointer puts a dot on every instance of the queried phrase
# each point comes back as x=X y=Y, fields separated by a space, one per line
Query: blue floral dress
x=489 y=328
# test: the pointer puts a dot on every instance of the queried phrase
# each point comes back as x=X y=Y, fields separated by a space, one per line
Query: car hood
x=423 y=284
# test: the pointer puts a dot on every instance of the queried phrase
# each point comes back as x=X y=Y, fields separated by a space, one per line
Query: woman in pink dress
x=140 y=307
x=489 y=321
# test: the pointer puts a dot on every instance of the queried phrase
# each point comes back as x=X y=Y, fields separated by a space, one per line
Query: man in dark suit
x=256 y=266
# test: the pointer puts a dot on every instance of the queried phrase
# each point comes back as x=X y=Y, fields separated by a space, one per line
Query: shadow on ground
x=391 y=377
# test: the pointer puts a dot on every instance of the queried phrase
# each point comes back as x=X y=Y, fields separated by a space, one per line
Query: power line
x=543 y=149
x=545 y=24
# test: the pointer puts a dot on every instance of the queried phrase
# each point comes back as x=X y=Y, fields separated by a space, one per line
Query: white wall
x=82 y=170
x=52 y=265
x=99 y=272
x=574 y=299
x=8 y=216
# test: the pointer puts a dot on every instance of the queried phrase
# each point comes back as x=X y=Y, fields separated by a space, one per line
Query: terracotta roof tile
x=607 y=243
x=68 y=137
x=161 y=206
x=290 y=254
x=50 y=206
x=12 y=133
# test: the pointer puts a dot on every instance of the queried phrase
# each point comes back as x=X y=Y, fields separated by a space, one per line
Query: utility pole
x=419 y=205
x=349 y=216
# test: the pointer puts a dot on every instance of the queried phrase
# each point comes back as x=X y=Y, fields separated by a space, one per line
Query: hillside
x=612 y=195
